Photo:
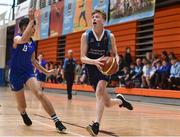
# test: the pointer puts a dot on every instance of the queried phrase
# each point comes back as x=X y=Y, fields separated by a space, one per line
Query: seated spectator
x=155 y=79
x=125 y=77
x=78 y=72
x=146 y=74
x=58 y=78
x=149 y=57
x=164 y=56
x=132 y=69
x=171 y=55
x=51 y=78
x=164 y=73
x=137 y=73
x=174 y=78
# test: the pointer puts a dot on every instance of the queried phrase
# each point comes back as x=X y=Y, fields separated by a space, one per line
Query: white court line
x=75 y=134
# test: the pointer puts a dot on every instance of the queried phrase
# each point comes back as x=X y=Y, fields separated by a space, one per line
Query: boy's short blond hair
x=101 y=12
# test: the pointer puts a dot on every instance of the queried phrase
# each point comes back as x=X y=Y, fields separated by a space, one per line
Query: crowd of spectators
x=154 y=72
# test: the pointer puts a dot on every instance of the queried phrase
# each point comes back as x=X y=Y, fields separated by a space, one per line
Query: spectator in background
x=78 y=72
x=156 y=77
x=58 y=78
x=121 y=64
x=165 y=72
x=51 y=78
x=171 y=55
x=41 y=77
x=137 y=73
x=125 y=77
x=127 y=57
x=83 y=78
x=154 y=57
x=164 y=56
x=174 y=78
x=69 y=72
x=146 y=74
x=149 y=57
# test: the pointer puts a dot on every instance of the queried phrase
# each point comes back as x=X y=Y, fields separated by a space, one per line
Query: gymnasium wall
x=49 y=48
x=167 y=30
x=166 y=36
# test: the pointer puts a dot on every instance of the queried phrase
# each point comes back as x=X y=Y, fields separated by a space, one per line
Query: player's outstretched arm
x=42 y=69
x=27 y=32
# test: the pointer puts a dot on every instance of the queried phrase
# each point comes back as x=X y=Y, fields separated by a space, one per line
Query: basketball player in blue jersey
x=96 y=43
x=22 y=72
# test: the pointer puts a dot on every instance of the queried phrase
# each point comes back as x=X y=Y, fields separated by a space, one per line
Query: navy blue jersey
x=21 y=57
x=97 y=49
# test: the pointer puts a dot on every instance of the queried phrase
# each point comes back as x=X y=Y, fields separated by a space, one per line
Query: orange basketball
x=110 y=66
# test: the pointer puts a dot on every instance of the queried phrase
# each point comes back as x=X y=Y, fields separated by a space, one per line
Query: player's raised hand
x=31 y=14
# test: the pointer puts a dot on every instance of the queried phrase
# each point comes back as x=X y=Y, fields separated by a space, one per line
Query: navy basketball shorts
x=94 y=76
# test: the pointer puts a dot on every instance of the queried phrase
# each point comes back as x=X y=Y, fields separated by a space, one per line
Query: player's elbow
x=83 y=59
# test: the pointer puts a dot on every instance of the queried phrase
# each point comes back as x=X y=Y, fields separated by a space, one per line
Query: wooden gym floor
x=145 y=120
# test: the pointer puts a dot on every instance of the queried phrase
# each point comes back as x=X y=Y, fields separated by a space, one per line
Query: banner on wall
x=38 y=25
x=56 y=18
x=22 y=9
x=45 y=20
x=69 y=8
x=102 y=5
x=82 y=18
x=128 y=10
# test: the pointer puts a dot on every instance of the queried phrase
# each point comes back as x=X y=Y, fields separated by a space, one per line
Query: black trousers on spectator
x=69 y=83
x=174 y=82
x=160 y=80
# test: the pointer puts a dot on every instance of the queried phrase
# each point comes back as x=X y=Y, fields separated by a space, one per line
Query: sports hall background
x=155 y=33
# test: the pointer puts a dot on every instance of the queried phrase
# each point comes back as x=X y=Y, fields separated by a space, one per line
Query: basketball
x=109 y=66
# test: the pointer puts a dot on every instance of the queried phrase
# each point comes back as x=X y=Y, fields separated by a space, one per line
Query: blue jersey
x=21 y=57
x=21 y=68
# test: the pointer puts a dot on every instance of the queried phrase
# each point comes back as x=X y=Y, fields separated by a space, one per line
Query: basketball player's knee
x=100 y=91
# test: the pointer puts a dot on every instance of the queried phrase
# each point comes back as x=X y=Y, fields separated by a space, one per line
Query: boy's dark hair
x=173 y=58
x=24 y=22
x=101 y=12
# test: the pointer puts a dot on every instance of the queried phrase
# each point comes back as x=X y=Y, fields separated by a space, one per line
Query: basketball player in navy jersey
x=22 y=72
x=96 y=43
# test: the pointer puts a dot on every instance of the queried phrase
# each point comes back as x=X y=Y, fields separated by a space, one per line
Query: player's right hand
x=99 y=62
x=31 y=14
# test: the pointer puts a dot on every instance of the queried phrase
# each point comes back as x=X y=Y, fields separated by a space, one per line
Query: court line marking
x=107 y=133
x=72 y=133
